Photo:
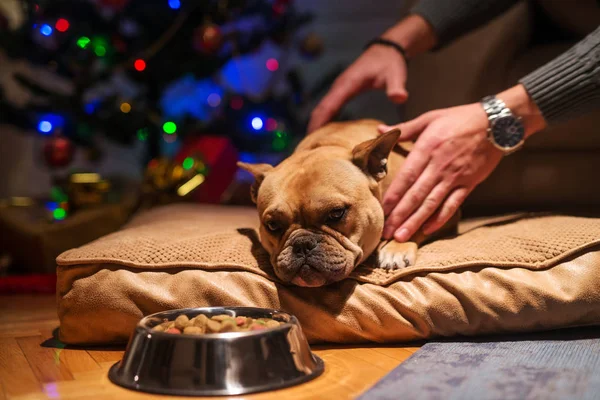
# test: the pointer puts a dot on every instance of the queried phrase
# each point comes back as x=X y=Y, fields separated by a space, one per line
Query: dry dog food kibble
x=215 y=324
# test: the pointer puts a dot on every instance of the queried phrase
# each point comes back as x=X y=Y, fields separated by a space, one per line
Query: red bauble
x=208 y=38
x=58 y=152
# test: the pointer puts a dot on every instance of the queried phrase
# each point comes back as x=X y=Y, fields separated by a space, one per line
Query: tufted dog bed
x=513 y=274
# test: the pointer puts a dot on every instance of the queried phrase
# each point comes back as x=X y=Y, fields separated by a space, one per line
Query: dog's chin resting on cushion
x=320 y=209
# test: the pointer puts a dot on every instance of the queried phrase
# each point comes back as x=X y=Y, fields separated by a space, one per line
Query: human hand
x=379 y=67
x=451 y=156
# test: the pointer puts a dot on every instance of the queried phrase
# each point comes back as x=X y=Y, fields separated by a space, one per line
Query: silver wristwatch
x=505 y=131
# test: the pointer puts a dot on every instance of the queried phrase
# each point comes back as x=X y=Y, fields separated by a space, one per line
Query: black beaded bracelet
x=389 y=43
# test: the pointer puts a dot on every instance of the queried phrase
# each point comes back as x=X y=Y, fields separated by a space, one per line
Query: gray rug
x=556 y=365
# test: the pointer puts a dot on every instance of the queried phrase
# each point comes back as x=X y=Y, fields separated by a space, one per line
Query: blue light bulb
x=51 y=205
x=257 y=123
x=46 y=30
x=174 y=4
x=44 y=126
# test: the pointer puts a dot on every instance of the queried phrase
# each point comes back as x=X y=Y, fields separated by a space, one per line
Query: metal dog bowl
x=218 y=363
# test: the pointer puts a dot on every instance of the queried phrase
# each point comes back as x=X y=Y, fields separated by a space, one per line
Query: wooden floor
x=33 y=365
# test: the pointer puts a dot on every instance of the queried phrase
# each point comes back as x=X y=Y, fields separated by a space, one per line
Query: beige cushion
x=522 y=274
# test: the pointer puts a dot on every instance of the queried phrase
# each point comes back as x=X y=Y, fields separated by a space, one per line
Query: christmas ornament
x=219 y=157
x=86 y=190
x=311 y=46
x=203 y=170
x=58 y=152
x=207 y=38
x=167 y=181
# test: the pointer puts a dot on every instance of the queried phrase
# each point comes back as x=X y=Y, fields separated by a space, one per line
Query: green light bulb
x=59 y=214
x=188 y=163
x=83 y=42
x=279 y=144
x=169 y=127
x=142 y=134
x=100 y=51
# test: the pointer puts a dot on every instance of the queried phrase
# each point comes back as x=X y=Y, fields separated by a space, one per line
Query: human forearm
x=564 y=88
x=522 y=105
x=414 y=34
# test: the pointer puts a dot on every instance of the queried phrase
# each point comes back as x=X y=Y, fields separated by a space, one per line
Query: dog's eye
x=337 y=214
x=272 y=226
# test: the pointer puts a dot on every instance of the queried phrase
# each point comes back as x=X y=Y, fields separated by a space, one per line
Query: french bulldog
x=320 y=208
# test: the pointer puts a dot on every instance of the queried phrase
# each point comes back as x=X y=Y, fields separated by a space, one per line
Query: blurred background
x=120 y=82
x=111 y=107
x=108 y=107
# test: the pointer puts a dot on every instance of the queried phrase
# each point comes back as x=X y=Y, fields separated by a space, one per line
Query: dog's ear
x=371 y=156
x=258 y=171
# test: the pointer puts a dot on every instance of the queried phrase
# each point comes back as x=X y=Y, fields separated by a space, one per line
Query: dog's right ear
x=371 y=156
x=258 y=171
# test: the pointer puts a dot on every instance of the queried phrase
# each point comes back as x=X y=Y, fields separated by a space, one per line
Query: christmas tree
x=169 y=73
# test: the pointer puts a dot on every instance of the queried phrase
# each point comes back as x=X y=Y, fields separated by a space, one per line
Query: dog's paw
x=394 y=255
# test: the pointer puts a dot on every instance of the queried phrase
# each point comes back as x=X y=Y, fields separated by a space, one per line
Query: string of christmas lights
x=116 y=77
x=161 y=72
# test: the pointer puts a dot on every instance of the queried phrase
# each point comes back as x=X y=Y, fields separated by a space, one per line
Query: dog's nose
x=304 y=245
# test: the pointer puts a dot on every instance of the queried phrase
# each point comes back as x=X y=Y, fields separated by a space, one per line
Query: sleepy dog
x=320 y=209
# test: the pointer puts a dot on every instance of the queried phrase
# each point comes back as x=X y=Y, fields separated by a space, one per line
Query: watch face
x=508 y=132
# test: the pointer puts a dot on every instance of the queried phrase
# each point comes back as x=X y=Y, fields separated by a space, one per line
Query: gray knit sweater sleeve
x=453 y=18
x=565 y=87
x=569 y=85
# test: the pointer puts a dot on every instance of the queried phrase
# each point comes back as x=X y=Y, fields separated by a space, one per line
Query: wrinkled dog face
x=311 y=258
x=320 y=212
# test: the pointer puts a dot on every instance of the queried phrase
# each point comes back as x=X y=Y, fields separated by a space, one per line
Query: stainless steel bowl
x=219 y=363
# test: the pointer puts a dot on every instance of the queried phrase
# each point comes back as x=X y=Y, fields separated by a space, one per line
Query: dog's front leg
x=392 y=255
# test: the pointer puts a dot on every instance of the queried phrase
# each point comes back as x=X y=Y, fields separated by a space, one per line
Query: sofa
x=556 y=168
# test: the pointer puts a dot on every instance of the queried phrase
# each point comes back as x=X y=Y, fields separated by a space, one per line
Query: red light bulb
x=139 y=65
x=62 y=25
x=272 y=64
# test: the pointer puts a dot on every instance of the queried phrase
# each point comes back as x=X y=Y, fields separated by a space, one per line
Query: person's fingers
x=446 y=211
x=343 y=89
x=396 y=85
x=411 y=129
x=416 y=196
x=418 y=218
x=409 y=172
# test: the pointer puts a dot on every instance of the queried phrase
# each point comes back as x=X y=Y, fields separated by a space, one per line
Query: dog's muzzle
x=311 y=258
